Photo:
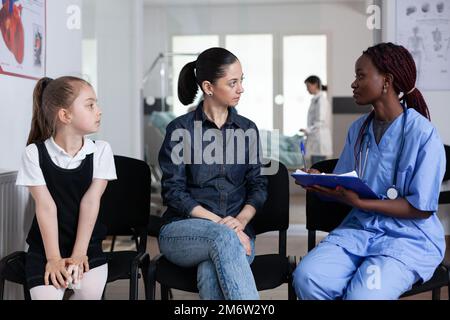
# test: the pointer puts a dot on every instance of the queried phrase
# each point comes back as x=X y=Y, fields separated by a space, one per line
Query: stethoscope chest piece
x=392 y=193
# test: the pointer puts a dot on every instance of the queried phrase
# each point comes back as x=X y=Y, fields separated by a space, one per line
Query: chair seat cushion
x=173 y=276
x=119 y=264
x=270 y=271
x=439 y=279
x=14 y=267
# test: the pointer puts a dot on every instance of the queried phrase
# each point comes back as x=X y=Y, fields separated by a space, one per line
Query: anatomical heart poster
x=22 y=43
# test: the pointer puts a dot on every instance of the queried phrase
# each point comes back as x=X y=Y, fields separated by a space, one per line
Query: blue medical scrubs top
x=418 y=243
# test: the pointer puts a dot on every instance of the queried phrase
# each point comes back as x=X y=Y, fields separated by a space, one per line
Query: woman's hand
x=55 y=270
x=311 y=171
x=232 y=223
x=81 y=261
x=245 y=241
x=341 y=194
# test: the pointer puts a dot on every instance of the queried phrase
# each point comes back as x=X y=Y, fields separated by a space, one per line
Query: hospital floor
x=265 y=243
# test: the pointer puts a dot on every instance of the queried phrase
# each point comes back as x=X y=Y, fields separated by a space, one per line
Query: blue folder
x=332 y=181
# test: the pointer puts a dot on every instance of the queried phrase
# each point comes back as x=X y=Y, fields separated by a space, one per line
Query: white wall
x=118 y=30
x=63 y=57
x=438 y=101
x=343 y=22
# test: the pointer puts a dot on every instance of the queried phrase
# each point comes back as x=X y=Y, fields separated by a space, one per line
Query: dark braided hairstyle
x=396 y=60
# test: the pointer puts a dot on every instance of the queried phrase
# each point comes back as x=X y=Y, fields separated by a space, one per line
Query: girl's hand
x=341 y=194
x=81 y=262
x=245 y=241
x=55 y=270
x=232 y=223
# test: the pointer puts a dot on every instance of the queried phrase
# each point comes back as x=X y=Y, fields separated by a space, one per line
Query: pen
x=302 y=150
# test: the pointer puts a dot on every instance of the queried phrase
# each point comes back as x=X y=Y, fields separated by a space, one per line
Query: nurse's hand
x=341 y=194
x=312 y=171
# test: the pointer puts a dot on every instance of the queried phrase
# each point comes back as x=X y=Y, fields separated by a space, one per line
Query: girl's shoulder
x=31 y=153
x=100 y=145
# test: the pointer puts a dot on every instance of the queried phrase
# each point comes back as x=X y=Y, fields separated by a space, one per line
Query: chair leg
x=113 y=242
x=26 y=292
x=134 y=283
x=145 y=276
x=436 y=294
x=448 y=283
x=291 y=291
x=164 y=292
x=151 y=280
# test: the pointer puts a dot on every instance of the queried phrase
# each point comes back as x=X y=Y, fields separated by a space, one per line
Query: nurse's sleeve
x=346 y=159
x=425 y=183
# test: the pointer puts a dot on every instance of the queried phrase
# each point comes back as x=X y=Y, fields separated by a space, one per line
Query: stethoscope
x=392 y=192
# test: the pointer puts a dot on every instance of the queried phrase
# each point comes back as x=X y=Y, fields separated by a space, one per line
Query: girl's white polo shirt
x=30 y=173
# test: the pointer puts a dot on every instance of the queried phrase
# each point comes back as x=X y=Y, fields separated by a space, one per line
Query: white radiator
x=16 y=213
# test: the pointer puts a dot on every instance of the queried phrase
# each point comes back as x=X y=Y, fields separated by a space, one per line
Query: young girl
x=383 y=246
x=210 y=203
x=66 y=174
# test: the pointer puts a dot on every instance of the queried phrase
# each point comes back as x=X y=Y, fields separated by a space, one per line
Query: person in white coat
x=319 y=142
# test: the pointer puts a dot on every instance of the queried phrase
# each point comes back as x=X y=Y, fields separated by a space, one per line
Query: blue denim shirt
x=223 y=186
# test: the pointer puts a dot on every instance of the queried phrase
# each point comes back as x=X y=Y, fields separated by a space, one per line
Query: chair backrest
x=274 y=216
x=125 y=204
x=321 y=215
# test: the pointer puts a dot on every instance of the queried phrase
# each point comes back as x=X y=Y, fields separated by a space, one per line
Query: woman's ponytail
x=187 y=84
x=415 y=99
x=40 y=129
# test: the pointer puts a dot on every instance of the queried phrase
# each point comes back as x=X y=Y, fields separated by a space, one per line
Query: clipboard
x=332 y=181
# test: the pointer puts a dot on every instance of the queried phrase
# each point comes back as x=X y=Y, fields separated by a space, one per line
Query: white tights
x=92 y=286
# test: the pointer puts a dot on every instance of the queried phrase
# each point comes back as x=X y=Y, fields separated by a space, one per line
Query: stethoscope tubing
x=362 y=166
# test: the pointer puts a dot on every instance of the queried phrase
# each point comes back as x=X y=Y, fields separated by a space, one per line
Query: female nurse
x=383 y=246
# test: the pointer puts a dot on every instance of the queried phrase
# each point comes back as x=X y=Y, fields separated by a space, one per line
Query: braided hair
x=396 y=60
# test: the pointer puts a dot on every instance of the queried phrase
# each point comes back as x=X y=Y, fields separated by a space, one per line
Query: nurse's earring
x=385 y=88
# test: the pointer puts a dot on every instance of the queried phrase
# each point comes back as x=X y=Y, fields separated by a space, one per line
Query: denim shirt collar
x=233 y=117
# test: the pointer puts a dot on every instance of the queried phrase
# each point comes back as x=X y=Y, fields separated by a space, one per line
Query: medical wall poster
x=22 y=43
x=423 y=26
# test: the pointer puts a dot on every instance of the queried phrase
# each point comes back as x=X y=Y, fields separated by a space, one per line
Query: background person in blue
x=210 y=205
x=383 y=246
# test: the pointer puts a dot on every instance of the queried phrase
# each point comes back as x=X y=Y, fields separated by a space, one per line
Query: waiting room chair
x=326 y=216
x=124 y=211
x=12 y=269
x=269 y=270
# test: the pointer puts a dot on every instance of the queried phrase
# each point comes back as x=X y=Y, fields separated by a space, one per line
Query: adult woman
x=318 y=132
x=383 y=246
x=211 y=201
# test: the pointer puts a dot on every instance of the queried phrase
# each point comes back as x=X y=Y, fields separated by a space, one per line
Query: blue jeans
x=223 y=268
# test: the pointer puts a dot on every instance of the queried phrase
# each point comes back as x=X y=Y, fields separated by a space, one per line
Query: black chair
x=124 y=210
x=12 y=268
x=269 y=270
x=319 y=218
